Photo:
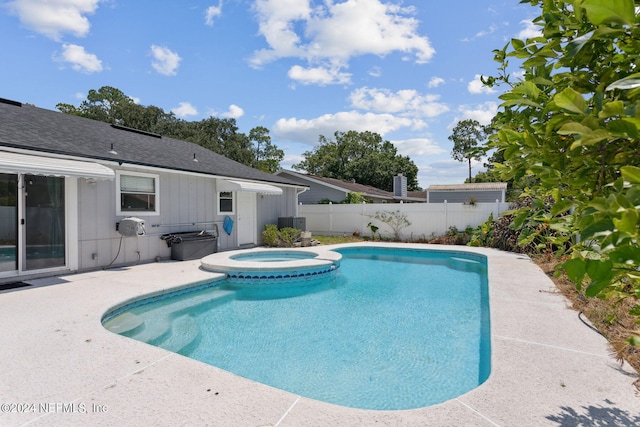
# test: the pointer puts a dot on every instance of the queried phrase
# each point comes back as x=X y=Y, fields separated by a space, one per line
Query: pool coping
x=63 y=367
x=224 y=262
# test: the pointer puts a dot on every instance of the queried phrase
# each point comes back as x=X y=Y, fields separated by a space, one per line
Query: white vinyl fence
x=427 y=219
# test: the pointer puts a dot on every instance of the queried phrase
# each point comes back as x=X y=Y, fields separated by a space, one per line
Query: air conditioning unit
x=131 y=227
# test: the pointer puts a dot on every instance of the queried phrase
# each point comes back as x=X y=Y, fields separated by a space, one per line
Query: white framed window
x=137 y=193
x=226 y=203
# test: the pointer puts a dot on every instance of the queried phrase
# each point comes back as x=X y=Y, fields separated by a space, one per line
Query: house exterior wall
x=184 y=199
x=489 y=196
x=270 y=208
x=316 y=193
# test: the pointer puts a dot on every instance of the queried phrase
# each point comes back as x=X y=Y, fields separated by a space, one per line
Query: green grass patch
x=334 y=240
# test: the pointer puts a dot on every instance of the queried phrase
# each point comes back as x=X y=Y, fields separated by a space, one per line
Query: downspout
x=299 y=192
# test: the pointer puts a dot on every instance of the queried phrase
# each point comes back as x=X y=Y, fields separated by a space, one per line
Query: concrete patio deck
x=59 y=366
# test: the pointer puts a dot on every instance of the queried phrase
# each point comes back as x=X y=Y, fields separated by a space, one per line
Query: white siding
x=187 y=203
x=270 y=208
x=184 y=199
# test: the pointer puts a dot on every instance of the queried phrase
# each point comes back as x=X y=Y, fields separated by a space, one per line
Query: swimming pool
x=393 y=329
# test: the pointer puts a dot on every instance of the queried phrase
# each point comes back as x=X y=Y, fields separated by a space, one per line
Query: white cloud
x=448 y=171
x=290 y=159
x=530 y=30
x=358 y=27
x=406 y=102
x=79 y=59
x=336 y=32
x=435 y=82
x=441 y=172
x=318 y=75
x=480 y=34
x=212 y=12
x=165 y=61
x=418 y=147
x=307 y=131
x=53 y=18
x=276 y=23
x=483 y=113
x=375 y=72
x=234 y=112
x=492 y=29
x=476 y=87
x=184 y=109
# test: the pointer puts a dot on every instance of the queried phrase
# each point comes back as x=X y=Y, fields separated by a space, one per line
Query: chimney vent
x=400 y=186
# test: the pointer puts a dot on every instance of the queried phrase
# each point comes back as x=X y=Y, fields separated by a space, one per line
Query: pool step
x=185 y=332
x=464 y=264
x=125 y=324
x=154 y=332
x=159 y=330
x=199 y=305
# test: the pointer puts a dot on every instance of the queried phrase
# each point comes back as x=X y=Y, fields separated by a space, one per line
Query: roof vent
x=10 y=102
x=138 y=131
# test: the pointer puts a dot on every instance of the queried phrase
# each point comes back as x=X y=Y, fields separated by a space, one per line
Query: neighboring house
x=65 y=181
x=322 y=189
x=482 y=192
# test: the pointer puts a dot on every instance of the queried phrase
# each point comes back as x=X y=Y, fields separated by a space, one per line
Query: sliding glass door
x=44 y=222
x=8 y=222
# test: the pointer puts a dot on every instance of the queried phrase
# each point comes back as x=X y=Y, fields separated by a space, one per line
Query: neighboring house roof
x=422 y=195
x=353 y=187
x=28 y=127
x=479 y=186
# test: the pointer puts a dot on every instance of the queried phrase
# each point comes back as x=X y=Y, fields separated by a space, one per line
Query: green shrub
x=284 y=237
x=288 y=236
x=270 y=234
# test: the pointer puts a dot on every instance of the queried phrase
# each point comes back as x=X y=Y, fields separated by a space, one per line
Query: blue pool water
x=273 y=256
x=393 y=329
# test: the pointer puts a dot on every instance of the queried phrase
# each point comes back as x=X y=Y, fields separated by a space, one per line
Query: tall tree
x=467 y=138
x=268 y=156
x=361 y=156
x=573 y=121
x=111 y=105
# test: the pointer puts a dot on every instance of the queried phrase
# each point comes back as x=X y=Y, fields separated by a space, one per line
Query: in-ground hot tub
x=274 y=256
x=257 y=267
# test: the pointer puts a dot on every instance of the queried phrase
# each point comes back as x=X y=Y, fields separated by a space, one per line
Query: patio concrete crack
x=551 y=346
x=287 y=412
x=111 y=384
x=477 y=412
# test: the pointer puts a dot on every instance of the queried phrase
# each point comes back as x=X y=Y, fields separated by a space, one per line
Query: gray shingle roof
x=367 y=190
x=32 y=128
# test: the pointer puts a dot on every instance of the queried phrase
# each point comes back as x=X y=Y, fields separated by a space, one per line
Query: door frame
x=70 y=235
x=247 y=212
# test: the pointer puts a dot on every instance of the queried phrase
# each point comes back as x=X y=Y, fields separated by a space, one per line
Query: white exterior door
x=247 y=222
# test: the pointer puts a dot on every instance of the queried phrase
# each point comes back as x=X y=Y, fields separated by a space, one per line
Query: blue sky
x=406 y=69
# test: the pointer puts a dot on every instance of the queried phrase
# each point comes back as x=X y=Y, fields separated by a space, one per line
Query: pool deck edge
x=61 y=367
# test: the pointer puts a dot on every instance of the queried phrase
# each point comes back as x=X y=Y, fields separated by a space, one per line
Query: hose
x=588 y=325
x=114 y=260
